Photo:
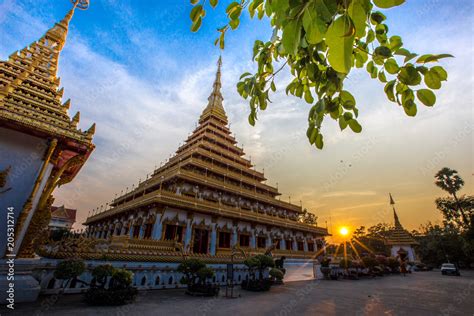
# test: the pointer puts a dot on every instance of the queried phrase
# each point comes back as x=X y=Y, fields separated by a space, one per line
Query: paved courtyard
x=423 y=293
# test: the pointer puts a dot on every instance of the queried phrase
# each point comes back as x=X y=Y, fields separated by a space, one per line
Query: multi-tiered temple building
x=208 y=199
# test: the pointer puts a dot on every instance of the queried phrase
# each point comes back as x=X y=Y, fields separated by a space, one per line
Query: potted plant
x=195 y=274
x=68 y=271
x=276 y=276
x=110 y=286
x=370 y=263
x=325 y=269
x=258 y=263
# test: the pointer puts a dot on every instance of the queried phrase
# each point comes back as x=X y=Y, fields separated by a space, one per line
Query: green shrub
x=69 y=269
x=259 y=263
x=276 y=273
x=102 y=272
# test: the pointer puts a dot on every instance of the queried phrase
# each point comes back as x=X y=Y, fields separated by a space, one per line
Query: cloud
x=348 y=193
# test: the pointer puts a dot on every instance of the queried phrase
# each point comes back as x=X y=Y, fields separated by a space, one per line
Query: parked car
x=449 y=269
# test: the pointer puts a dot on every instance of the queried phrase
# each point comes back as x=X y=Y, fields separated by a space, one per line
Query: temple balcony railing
x=239 y=190
x=177 y=171
x=212 y=133
x=231 y=174
x=205 y=152
x=207 y=207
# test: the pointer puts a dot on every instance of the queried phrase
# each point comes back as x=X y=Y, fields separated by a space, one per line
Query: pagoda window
x=224 y=240
x=288 y=243
x=277 y=243
x=244 y=240
x=261 y=242
x=148 y=229
x=136 y=231
x=300 y=245
x=310 y=246
x=174 y=232
x=127 y=228
x=201 y=240
x=105 y=234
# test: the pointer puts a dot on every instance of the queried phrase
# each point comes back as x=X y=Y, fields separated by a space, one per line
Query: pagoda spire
x=44 y=53
x=395 y=216
x=214 y=106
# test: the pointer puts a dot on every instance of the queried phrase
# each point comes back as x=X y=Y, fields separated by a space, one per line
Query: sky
x=136 y=69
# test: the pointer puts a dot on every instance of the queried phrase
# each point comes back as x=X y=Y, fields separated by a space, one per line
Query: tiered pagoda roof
x=398 y=235
x=211 y=160
x=30 y=97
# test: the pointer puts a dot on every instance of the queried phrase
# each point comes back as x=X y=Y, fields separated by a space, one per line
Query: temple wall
x=410 y=252
x=24 y=153
x=157 y=275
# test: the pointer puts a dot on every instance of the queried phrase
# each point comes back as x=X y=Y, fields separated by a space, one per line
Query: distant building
x=400 y=240
x=62 y=218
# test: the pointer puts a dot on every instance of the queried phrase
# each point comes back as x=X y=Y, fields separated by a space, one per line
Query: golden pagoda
x=42 y=147
x=399 y=239
x=206 y=199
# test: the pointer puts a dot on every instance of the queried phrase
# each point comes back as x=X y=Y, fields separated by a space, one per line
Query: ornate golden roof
x=398 y=235
x=30 y=98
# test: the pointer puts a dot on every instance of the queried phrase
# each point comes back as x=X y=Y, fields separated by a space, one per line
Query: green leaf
x=395 y=42
x=409 y=75
x=410 y=108
x=442 y=74
x=308 y=97
x=213 y=3
x=319 y=141
x=196 y=25
x=371 y=69
x=252 y=119
x=370 y=36
x=383 y=52
x=426 y=96
x=291 y=36
x=193 y=2
x=391 y=66
x=196 y=13
x=386 y=4
x=340 y=44
x=432 y=79
x=358 y=15
x=431 y=58
x=313 y=25
x=377 y=17
x=313 y=134
x=234 y=23
x=355 y=126
x=382 y=76
x=342 y=123
x=389 y=90
x=348 y=100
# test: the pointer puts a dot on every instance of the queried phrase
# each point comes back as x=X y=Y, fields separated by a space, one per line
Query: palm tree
x=450 y=181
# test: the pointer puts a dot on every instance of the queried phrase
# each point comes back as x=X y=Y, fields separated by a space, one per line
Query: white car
x=449 y=268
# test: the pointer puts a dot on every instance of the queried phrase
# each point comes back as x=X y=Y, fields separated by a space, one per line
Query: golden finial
x=81 y=4
x=91 y=130
x=75 y=119
x=67 y=104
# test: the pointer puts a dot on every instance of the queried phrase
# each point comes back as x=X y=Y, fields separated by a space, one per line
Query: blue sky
x=135 y=69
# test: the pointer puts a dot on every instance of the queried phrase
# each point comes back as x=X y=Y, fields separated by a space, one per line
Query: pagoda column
x=305 y=244
x=157 y=227
x=294 y=245
x=213 y=239
x=234 y=237
x=283 y=243
x=269 y=240
x=130 y=232
x=189 y=231
x=142 y=231
x=253 y=243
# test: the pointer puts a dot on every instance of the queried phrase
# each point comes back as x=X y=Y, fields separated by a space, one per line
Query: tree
x=321 y=41
x=450 y=181
x=308 y=218
x=459 y=212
